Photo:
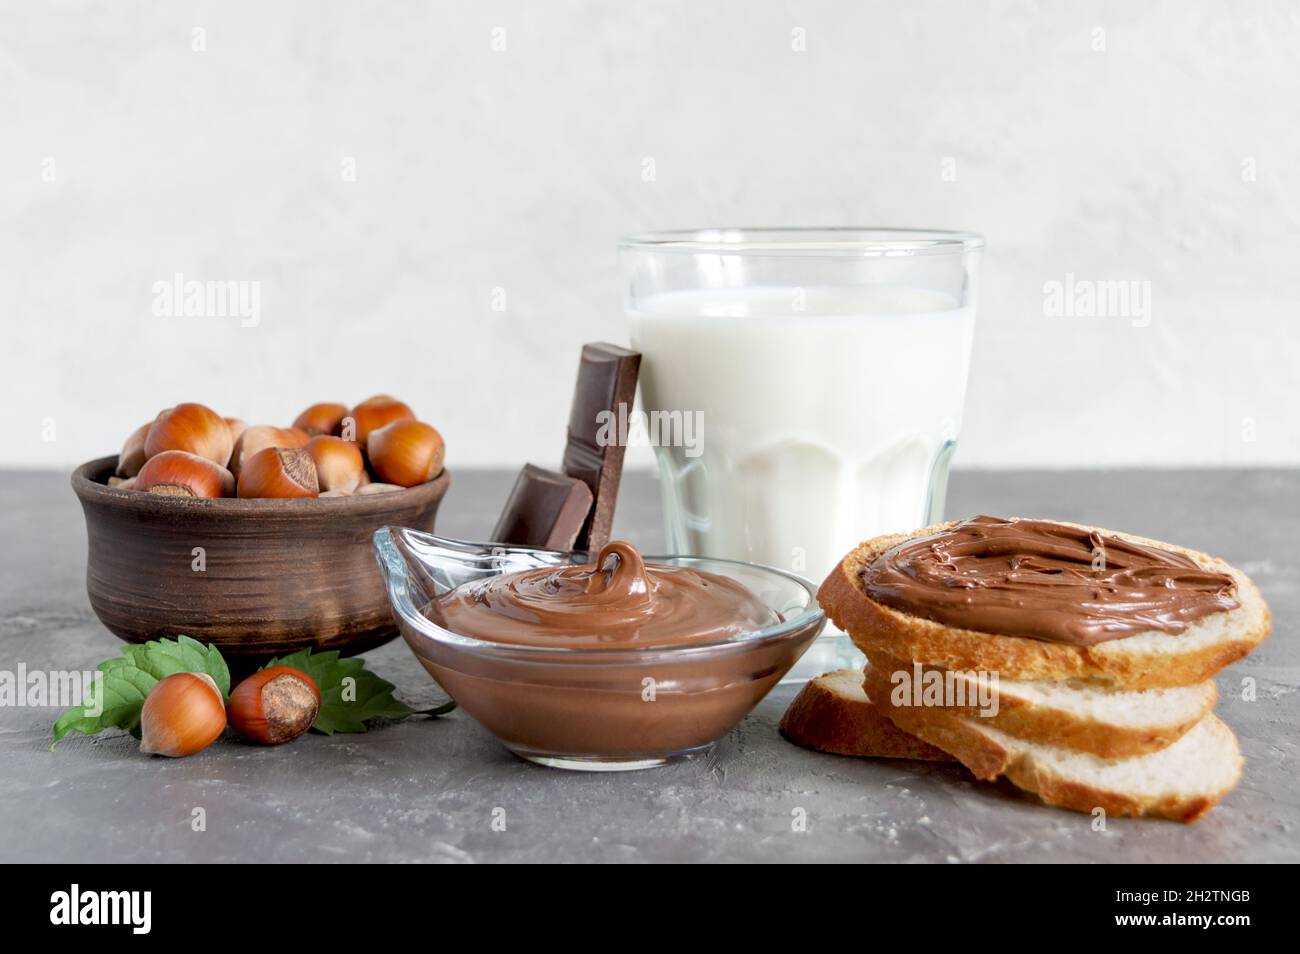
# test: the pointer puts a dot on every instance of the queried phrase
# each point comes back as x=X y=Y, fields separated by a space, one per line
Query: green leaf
x=123 y=692
x=165 y=657
x=128 y=679
x=350 y=695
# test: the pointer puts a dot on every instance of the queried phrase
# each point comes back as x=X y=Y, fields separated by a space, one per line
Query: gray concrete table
x=426 y=790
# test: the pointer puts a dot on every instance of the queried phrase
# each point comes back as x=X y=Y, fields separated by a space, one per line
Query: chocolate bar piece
x=545 y=510
x=594 y=450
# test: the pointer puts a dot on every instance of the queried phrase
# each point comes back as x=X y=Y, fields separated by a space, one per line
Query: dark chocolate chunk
x=545 y=509
x=606 y=383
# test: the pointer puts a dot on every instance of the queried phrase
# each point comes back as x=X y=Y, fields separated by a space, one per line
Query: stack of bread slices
x=1126 y=726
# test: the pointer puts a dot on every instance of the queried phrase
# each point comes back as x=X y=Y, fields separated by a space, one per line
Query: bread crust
x=1018 y=717
x=824 y=716
x=877 y=628
x=987 y=759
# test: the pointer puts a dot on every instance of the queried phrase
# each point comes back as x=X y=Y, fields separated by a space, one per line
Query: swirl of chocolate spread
x=619 y=601
x=1047 y=581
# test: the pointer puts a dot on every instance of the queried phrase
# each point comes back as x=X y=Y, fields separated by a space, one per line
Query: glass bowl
x=595 y=709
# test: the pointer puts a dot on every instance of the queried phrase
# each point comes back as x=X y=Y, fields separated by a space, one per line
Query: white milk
x=828 y=415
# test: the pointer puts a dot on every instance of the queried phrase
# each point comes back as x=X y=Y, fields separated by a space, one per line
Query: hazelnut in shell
x=179 y=474
x=274 y=705
x=261 y=436
x=133 y=457
x=321 y=418
x=339 y=465
x=183 y=714
x=406 y=453
x=192 y=428
x=279 y=472
x=370 y=415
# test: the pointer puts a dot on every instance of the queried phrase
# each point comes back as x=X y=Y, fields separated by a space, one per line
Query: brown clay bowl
x=277 y=575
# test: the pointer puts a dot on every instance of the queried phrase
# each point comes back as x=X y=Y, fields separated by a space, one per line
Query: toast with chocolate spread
x=936 y=598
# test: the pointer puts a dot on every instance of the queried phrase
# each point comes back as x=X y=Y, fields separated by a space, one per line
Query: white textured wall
x=1170 y=156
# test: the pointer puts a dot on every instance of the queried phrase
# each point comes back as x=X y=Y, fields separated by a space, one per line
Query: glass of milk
x=803 y=388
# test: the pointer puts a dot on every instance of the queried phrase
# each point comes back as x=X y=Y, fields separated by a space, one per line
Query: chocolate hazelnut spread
x=617 y=602
x=1047 y=581
x=618 y=663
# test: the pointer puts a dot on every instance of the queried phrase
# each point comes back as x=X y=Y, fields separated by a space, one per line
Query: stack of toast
x=1126 y=726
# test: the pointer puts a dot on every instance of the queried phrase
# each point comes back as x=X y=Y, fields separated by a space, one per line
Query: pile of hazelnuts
x=330 y=451
x=185 y=713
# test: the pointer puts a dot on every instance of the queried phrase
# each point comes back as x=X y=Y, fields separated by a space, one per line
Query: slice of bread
x=1142 y=661
x=833 y=714
x=1182 y=781
x=1088 y=717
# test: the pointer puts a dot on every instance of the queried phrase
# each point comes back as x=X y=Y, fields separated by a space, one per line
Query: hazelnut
x=279 y=472
x=183 y=714
x=370 y=415
x=192 y=428
x=178 y=474
x=274 y=705
x=406 y=453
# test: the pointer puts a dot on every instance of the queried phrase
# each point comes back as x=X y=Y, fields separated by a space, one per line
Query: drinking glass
x=803 y=388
